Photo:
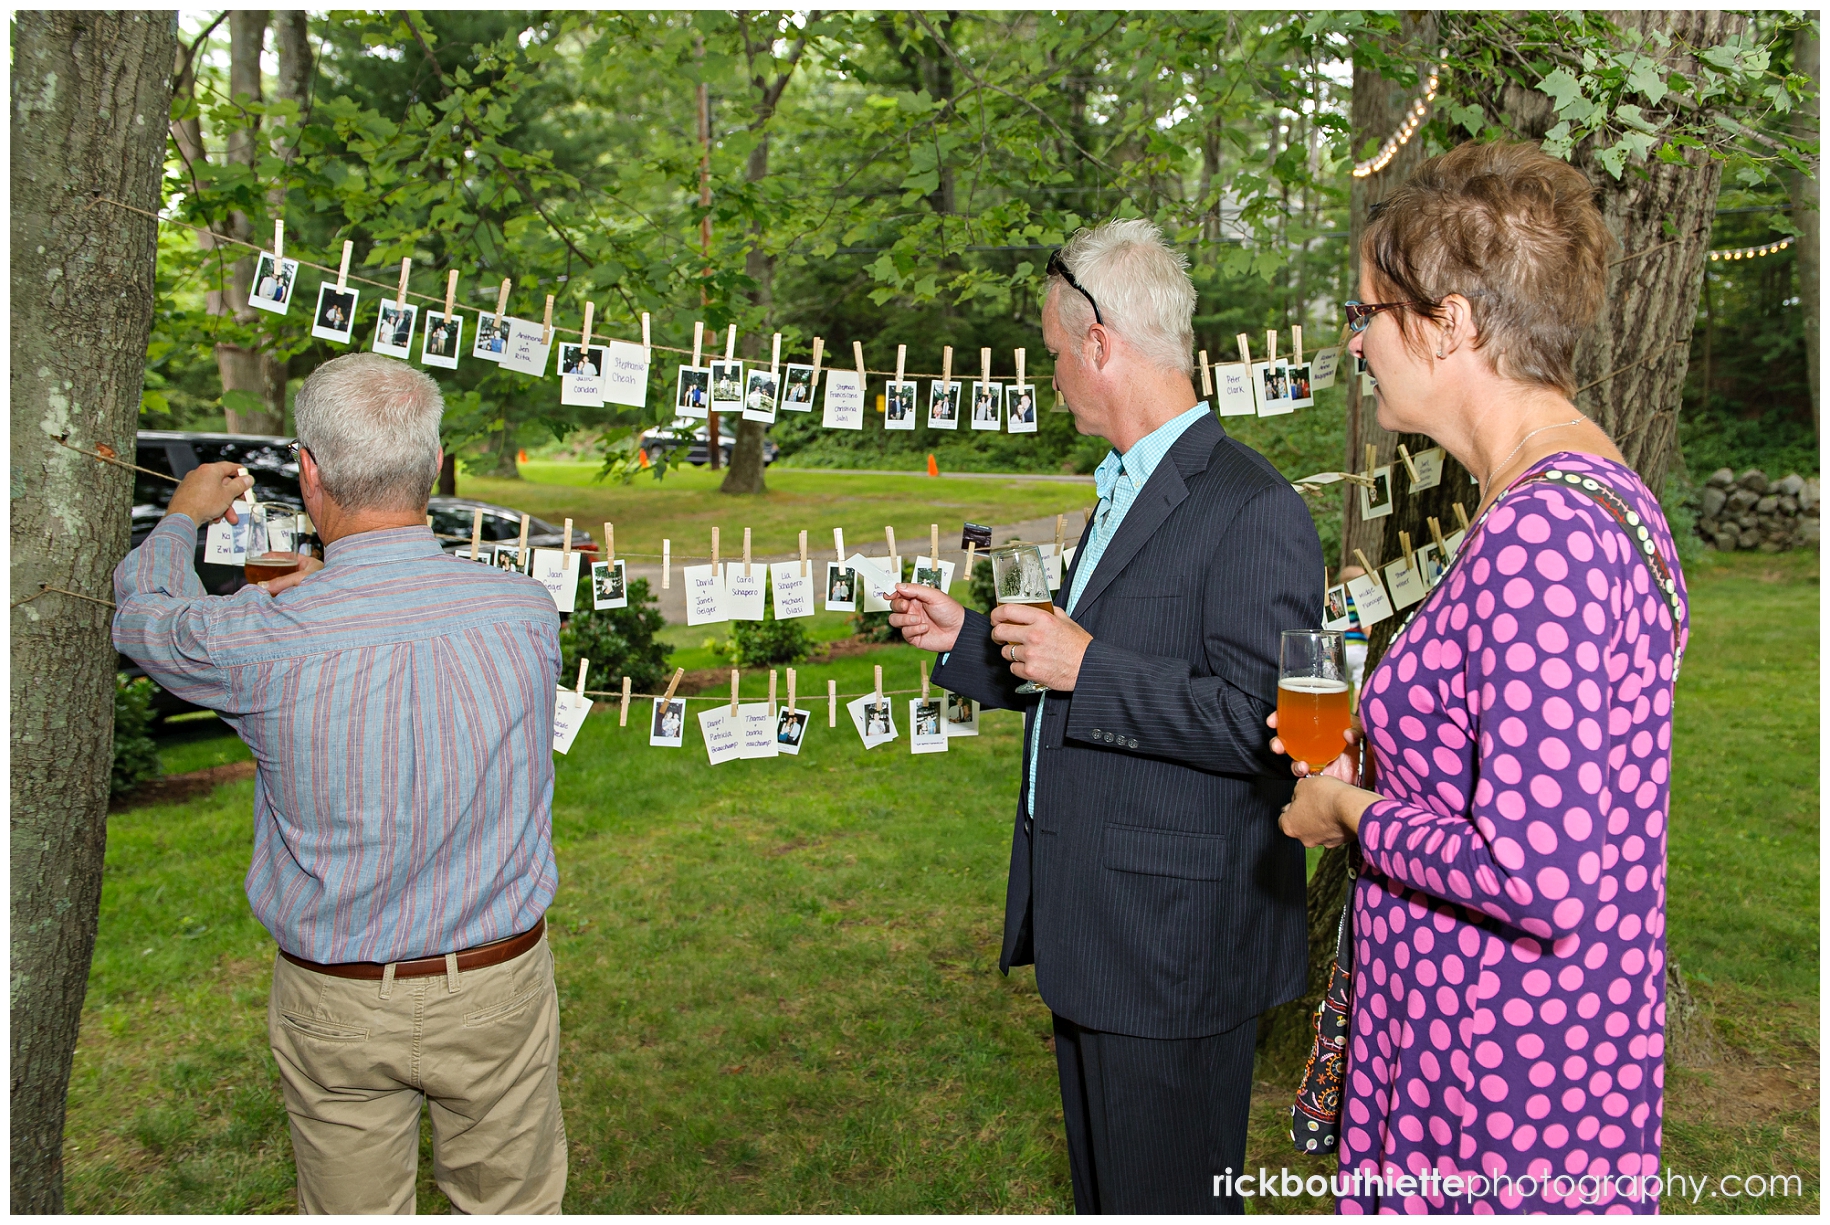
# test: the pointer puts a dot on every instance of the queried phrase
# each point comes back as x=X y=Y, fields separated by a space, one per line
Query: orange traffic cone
x=644 y=454
x=933 y=468
x=521 y=457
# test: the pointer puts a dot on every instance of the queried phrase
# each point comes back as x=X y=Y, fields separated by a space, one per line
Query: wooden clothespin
x=1060 y=533
x=946 y=364
x=428 y=519
x=771 y=693
x=838 y=544
x=451 y=280
x=647 y=344
x=924 y=680
x=832 y=703
x=279 y=241
x=406 y=266
x=1372 y=571
x=349 y=249
x=746 y=552
x=733 y=691
x=857 y=353
x=714 y=552
x=667 y=564
x=730 y=344
x=584 y=350
x=934 y=545
x=1245 y=351
x=791 y=680
x=1022 y=355
x=546 y=328
x=879 y=682
x=1461 y=516
x=565 y=550
x=1086 y=517
x=1296 y=342
x=819 y=354
x=1442 y=544
x=902 y=356
x=476 y=533
x=502 y=300
x=1404 y=542
x=775 y=356
x=1207 y=376
x=889 y=538
x=521 y=553
x=985 y=365
x=671 y=686
x=1372 y=460
x=1409 y=465
x=1270 y=345
x=622 y=718
x=806 y=572
x=698 y=339
x=610 y=543
x=584 y=666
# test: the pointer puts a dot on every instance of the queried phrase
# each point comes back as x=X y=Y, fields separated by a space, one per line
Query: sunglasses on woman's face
x=1359 y=314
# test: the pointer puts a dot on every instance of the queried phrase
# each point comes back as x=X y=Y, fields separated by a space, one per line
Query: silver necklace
x=1501 y=466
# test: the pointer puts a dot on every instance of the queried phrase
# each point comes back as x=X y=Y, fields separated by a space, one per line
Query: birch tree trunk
x=1805 y=214
x=91 y=96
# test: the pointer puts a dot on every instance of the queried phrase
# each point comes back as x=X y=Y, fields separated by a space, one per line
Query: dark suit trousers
x=1151 y=1121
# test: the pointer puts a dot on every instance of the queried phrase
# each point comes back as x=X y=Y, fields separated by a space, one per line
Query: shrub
x=755 y=644
x=136 y=757
x=875 y=626
x=619 y=642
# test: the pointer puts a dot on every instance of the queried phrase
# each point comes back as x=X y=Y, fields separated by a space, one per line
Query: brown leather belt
x=492 y=954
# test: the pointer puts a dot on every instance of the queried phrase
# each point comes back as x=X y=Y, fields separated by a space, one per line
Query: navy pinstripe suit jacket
x=1153 y=890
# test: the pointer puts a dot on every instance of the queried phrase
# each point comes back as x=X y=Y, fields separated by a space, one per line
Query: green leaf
x=1562 y=87
x=1645 y=79
x=238 y=401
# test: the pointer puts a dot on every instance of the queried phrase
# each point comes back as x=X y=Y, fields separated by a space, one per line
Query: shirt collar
x=1145 y=454
x=382 y=545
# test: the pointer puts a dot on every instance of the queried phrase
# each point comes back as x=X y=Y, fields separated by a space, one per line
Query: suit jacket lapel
x=1160 y=496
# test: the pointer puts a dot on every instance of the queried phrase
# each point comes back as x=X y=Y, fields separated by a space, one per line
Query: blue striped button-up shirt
x=399 y=704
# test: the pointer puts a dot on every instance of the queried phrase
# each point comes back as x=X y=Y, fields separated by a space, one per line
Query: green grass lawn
x=779 y=982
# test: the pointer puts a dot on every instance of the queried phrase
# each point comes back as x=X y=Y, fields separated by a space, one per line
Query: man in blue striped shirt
x=399 y=703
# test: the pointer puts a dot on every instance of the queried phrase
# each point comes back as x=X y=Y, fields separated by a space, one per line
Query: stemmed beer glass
x=1019 y=577
x=1314 y=708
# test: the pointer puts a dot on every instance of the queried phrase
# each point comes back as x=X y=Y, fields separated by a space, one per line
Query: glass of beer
x=272 y=542
x=1019 y=577
x=1314 y=709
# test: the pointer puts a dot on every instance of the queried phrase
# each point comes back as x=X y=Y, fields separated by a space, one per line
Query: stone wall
x=1750 y=512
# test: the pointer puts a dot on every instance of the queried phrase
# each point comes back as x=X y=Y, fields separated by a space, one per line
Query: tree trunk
x=746 y=472
x=242 y=367
x=1804 y=211
x=91 y=93
x=447 y=476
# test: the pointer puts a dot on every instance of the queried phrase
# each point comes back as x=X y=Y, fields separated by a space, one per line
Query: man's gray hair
x=1142 y=287
x=371 y=425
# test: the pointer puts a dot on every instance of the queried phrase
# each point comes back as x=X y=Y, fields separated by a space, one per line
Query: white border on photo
x=1368 y=384
x=1454 y=541
x=702 y=382
x=1430 y=566
x=759 y=389
x=1302 y=385
x=790 y=594
x=844 y=401
x=578 y=389
x=832 y=605
x=600 y=570
x=856 y=708
x=899 y=404
x=1429 y=469
x=489 y=332
x=1324 y=364
x=1054 y=563
x=569 y=711
x=723 y=733
x=939 y=581
x=625 y=374
x=527 y=350
x=791 y=730
x=704 y=595
x=993 y=417
x=1405 y=583
x=878 y=576
x=950 y=419
x=1012 y=398
x=225 y=543
x=510 y=553
x=797 y=379
x=929 y=742
x=390 y=317
x=1370 y=604
x=657 y=722
x=956 y=705
x=743 y=597
x=322 y=331
x=557 y=571
x=1367 y=509
x=757 y=720
x=1233 y=391
x=287 y=283
x=426 y=356
x=727 y=376
x=1271 y=387
x=1335 y=600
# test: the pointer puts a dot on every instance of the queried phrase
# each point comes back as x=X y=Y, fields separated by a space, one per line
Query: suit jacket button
x=1096 y=733
x=1133 y=744
x=1108 y=737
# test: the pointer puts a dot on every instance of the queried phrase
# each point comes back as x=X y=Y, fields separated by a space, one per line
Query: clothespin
x=838 y=544
x=775 y=356
x=1461 y=516
x=565 y=550
x=1086 y=517
x=502 y=300
x=521 y=556
x=647 y=345
x=879 y=683
x=1372 y=459
x=902 y=354
x=349 y=249
x=1405 y=455
x=451 y=280
x=771 y=693
x=1245 y=350
x=985 y=365
x=889 y=538
x=667 y=564
x=1442 y=544
x=546 y=328
x=1270 y=345
x=590 y=314
x=609 y=542
x=924 y=680
x=972 y=549
x=946 y=364
x=857 y=353
x=791 y=680
x=476 y=533
x=1060 y=533
x=1371 y=570
x=730 y=344
x=1207 y=376
x=1021 y=355
x=832 y=703
x=714 y=552
x=934 y=544
x=406 y=266
x=1404 y=542
x=733 y=691
x=746 y=552
x=1296 y=342
x=805 y=571
x=428 y=519
x=279 y=240
x=584 y=666
x=671 y=686
x=698 y=339
x=622 y=718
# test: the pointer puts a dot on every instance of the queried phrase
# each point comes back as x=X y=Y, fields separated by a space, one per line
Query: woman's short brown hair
x=1513 y=230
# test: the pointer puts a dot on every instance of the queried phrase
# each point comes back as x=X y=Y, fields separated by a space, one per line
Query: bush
x=619 y=642
x=136 y=757
x=984 y=596
x=756 y=644
x=875 y=626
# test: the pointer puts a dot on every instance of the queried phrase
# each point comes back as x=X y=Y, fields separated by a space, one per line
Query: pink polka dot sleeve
x=1518 y=693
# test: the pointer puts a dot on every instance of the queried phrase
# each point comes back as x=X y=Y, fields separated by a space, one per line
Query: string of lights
x=1771 y=248
x=1420 y=110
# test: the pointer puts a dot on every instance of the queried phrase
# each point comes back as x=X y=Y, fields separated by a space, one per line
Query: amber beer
x=1313 y=717
x=270 y=566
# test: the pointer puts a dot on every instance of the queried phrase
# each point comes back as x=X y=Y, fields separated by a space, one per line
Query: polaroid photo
x=1021 y=400
x=792 y=593
x=528 y=348
x=841 y=588
x=625 y=374
x=872 y=716
x=927 y=730
x=962 y=715
x=943 y=405
x=557 y=571
x=939 y=577
x=1430 y=565
x=1429 y=469
x=492 y=337
x=975 y=533
x=1367 y=382
x=1233 y=391
x=1323 y=365
x=508 y=557
x=581 y=376
x=225 y=543
x=335 y=319
x=756 y=727
x=1376 y=503
x=899 y=406
x=877 y=579
x=693 y=392
x=1405 y=582
x=667 y=729
x=987 y=406
x=704 y=595
x=844 y=401
x=1335 y=615
x=609 y=585
x=394 y=329
x=723 y=732
x=1053 y=563
x=443 y=336
x=271 y=289
x=1271 y=384
x=743 y=597
x=1301 y=386
x=790 y=730
x=1453 y=540
x=569 y=711
x=1369 y=602
x=797 y=389
x=727 y=387
x=759 y=396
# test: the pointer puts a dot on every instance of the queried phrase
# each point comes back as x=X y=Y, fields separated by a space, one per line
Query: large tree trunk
x=746 y=471
x=91 y=92
x=1804 y=212
x=242 y=367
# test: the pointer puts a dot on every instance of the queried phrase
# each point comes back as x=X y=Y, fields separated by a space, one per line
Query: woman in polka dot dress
x=1507 y=1031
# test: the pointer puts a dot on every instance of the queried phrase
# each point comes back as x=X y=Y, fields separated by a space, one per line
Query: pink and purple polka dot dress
x=1509 y=923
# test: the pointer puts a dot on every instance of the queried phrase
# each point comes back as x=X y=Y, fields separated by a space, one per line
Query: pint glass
x=1019 y=577
x=1314 y=708
x=272 y=542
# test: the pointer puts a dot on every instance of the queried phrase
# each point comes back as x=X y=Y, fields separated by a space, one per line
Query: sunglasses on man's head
x=1058 y=267
x=1359 y=314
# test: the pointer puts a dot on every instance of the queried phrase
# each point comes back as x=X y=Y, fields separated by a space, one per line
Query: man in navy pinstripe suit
x=1149 y=883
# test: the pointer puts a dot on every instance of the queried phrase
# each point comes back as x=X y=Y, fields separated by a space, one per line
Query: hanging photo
x=492 y=337
x=508 y=557
x=667 y=730
x=1453 y=540
x=704 y=595
x=844 y=401
x=1271 y=384
x=877 y=579
x=1367 y=381
x=987 y=406
x=743 y=595
x=939 y=577
x=1022 y=400
x=693 y=392
x=792 y=592
x=335 y=319
x=528 y=347
x=225 y=543
x=1430 y=565
x=943 y=405
x=581 y=376
x=1405 y=583
x=609 y=585
x=899 y=406
x=927 y=731
x=1335 y=614
x=759 y=397
x=871 y=715
x=962 y=716
x=569 y=711
x=1429 y=469
x=757 y=727
x=727 y=387
x=797 y=389
x=271 y=290
x=1369 y=602
x=1376 y=503
x=1233 y=390
x=625 y=374
x=841 y=588
x=1301 y=386
x=557 y=570
x=790 y=730
x=443 y=336
x=723 y=732
x=394 y=329
x=1323 y=364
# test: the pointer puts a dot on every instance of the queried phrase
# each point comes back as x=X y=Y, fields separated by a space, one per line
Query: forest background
x=888 y=178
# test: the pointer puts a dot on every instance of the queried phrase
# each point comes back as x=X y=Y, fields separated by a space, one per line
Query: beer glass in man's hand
x=272 y=543
x=1314 y=718
x=1018 y=577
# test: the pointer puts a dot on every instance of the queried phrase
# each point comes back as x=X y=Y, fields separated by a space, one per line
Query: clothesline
x=725 y=699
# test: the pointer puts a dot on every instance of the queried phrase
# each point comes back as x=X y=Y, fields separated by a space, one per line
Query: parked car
x=501 y=525
x=686 y=439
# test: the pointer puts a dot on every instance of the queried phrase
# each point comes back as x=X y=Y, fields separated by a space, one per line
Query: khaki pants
x=358 y=1056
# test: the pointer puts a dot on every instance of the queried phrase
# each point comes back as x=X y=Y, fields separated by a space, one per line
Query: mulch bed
x=174 y=788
